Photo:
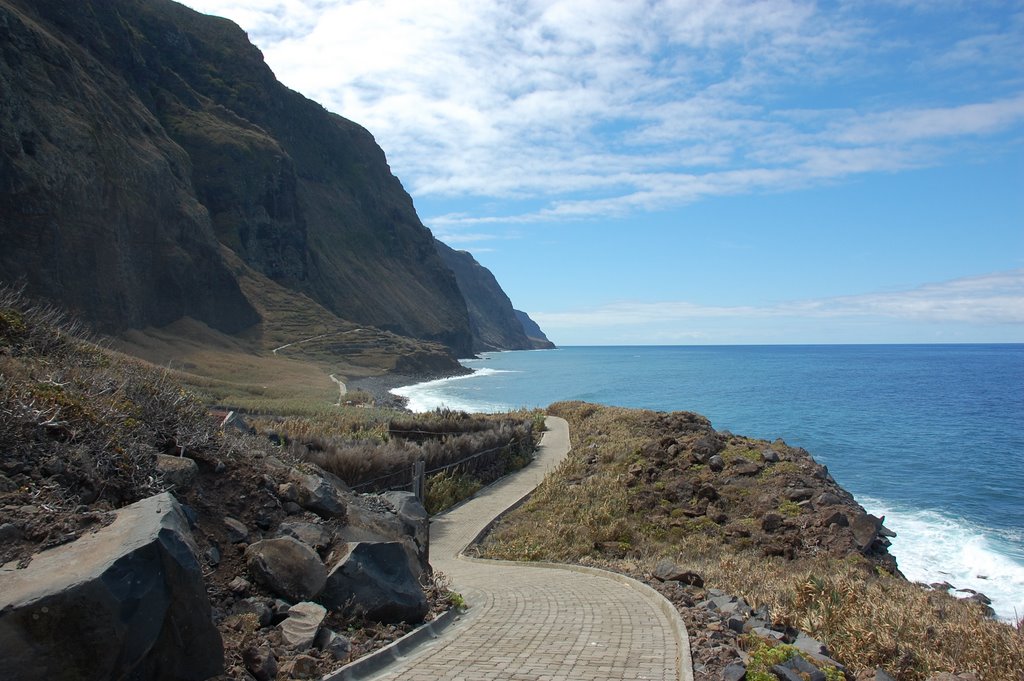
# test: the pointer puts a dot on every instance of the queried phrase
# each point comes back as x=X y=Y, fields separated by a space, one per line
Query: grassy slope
x=593 y=504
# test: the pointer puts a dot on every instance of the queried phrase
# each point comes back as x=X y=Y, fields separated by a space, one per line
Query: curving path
x=528 y=623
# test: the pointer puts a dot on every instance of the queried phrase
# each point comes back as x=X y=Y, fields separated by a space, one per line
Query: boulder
x=312 y=534
x=374 y=580
x=127 y=601
x=180 y=471
x=716 y=463
x=828 y=499
x=865 y=530
x=736 y=671
x=299 y=667
x=301 y=627
x=319 y=492
x=287 y=567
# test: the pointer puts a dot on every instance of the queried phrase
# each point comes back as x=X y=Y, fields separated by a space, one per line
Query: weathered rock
x=415 y=520
x=299 y=667
x=301 y=627
x=716 y=463
x=333 y=643
x=810 y=645
x=786 y=674
x=375 y=580
x=287 y=567
x=667 y=571
x=239 y=585
x=828 y=499
x=770 y=455
x=734 y=672
x=838 y=519
x=180 y=471
x=799 y=493
x=312 y=534
x=865 y=530
x=260 y=662
x=125 y=602
x=745 y=468
x=237 y=532
x=322 y=493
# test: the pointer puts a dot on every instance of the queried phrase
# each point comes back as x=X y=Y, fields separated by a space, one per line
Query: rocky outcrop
x=533 y=332
x=374 y=580
x=124 y=602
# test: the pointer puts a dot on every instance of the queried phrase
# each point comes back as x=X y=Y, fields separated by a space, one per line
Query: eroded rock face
x=375 y=580
x=125 y=602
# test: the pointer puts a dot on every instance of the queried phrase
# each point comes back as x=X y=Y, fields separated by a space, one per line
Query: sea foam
x=434 y=394
x=932 y=547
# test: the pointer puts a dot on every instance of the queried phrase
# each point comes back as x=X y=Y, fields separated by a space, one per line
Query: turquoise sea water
x=931 y=436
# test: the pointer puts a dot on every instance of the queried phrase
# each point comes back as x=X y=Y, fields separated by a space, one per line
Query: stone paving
x=528 y=623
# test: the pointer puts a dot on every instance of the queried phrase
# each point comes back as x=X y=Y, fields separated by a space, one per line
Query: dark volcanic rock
x=375 y=580
x=287 y=567
x=125 y=602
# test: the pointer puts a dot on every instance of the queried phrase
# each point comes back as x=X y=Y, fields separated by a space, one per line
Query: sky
x=696 y=171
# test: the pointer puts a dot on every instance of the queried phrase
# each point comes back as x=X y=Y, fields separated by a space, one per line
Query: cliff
x=533 y=332
x=492 y=319
x=139 y=137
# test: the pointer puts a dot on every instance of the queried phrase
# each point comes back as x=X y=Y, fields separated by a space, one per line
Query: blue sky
x=696 y=171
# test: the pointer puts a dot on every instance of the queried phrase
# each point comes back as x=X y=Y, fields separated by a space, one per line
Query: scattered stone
x=786 y=674
x=809 y=645
x=180 y=471
x=132 y=592
x=734 y=672
x=828 y=499
x=335 y=644
x=941 y=586
x=770 y=455
x=260 y=662
x=287 y=567
x=745 y=468
x=799 y=493
x=239 y=586
x=375 y=580
x=237 y=532
x=299 y=630
x=716 y=463
x=322 y=493
x=10 y=532
x=838 y=519
x=707 y=491
x=300 y=667
x=212 y=555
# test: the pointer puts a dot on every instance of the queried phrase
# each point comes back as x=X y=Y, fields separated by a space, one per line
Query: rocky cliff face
x=494 y=323
x=533 y=332
x=136 y=135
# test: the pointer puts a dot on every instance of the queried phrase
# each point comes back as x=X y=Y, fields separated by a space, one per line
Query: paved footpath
x=528 y=623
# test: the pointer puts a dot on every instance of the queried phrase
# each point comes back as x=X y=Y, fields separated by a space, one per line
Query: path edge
x=379 y=659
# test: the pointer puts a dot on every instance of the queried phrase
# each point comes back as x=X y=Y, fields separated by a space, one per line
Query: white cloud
x=996 y=298
x=607 y=107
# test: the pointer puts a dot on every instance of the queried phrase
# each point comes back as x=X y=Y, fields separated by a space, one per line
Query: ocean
x=930 y=436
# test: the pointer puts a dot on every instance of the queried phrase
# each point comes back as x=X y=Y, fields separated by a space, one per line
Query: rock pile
x=289 y=552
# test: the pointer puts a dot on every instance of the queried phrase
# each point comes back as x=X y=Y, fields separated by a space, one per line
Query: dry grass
x=582 y=513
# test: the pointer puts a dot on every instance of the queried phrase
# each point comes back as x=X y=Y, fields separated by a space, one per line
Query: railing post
x=418 y=479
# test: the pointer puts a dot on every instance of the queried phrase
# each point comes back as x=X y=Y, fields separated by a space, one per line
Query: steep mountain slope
x=491 y=317
x=533 y=332
x=136 y=134
x=97 y=209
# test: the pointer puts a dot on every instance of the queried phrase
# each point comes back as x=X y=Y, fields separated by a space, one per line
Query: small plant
x=790 y=509
x=765 y=657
